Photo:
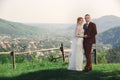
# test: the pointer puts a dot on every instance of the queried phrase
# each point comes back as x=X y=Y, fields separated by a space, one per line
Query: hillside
x=106 y=22
x=111 y=36
x=14 y=28
x=6 y=27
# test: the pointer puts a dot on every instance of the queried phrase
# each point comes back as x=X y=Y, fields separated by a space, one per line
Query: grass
x=57 y=71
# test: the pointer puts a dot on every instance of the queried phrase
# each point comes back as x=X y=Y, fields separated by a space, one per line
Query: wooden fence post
x=62 y=50
x=95 y=55
x=13 y=58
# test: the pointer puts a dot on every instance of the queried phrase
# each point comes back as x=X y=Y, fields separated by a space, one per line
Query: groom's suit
x=91 y=31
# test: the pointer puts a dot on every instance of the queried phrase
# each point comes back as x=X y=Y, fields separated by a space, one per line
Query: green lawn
x=57 y=71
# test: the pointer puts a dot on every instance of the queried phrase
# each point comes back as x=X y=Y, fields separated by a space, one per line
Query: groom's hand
x=85 y=36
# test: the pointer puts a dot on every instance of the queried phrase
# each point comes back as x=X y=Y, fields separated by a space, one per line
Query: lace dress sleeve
x=77 y=32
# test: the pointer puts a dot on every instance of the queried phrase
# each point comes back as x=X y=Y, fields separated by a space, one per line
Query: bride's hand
x=80 y=36
x=77 y=36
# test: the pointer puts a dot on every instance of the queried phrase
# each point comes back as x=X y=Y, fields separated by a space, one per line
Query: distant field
x=57 y=71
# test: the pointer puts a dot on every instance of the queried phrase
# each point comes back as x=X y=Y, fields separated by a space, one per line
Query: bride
x=77 y=51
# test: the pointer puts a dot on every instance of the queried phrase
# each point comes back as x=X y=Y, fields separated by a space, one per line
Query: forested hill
x=107 y=22
x=111 y=36
x=14 y=28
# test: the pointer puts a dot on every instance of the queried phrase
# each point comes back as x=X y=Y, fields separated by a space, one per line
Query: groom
x=90 y=32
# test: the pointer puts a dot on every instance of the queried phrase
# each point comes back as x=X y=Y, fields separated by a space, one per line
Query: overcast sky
x=56 y=11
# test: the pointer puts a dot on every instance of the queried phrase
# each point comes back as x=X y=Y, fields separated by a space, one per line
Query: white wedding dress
x=77 y=51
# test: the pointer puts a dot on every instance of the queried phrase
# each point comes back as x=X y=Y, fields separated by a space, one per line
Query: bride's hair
x=79 y=19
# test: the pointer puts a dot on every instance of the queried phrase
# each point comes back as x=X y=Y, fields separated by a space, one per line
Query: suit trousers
x=88 y=55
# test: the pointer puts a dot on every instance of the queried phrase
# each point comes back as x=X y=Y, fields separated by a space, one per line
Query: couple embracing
x=84 y=38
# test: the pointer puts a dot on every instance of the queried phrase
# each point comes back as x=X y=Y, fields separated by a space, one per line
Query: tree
x=113 y=55
x=102 y=56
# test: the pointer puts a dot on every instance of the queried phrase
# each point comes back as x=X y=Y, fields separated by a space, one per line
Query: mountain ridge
x=111 y=36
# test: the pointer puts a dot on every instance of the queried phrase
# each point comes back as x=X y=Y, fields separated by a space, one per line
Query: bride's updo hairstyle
x=79 y=19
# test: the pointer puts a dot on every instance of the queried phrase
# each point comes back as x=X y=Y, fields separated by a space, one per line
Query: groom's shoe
x=90 y=69
x=87 y=70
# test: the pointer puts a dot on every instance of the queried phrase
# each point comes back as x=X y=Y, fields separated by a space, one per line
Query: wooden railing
x=26 y=52
x=13 y=54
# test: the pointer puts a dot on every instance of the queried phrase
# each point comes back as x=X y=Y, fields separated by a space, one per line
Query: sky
x=56 y=11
